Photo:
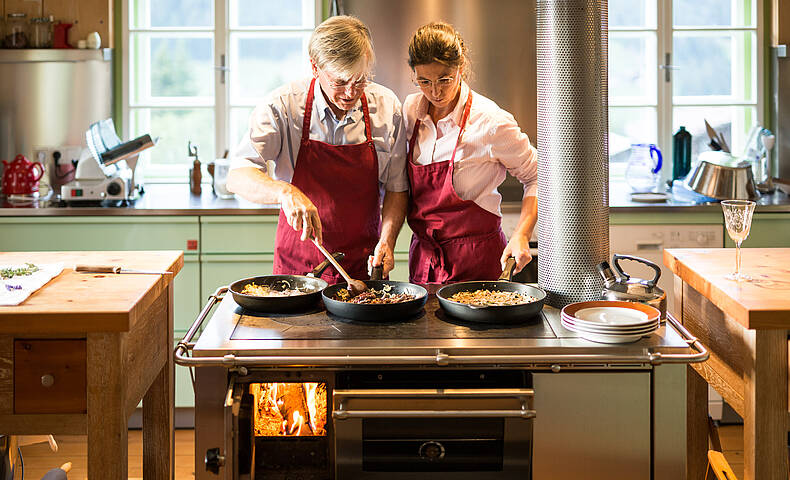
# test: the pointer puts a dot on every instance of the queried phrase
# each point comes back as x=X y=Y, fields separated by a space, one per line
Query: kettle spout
x=606 y=272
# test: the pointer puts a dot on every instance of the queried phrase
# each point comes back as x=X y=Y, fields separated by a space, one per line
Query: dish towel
x=16 y=289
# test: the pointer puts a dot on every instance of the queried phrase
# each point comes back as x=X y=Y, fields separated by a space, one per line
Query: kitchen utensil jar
x=40 y=32
x=17 y=33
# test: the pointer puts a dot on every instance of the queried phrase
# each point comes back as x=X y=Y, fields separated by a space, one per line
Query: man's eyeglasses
x=443 y=82
x=345 y=85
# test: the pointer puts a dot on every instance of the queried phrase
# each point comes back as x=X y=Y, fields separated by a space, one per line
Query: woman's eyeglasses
x=443 y=82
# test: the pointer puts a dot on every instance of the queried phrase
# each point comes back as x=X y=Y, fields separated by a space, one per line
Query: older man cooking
x=336 y=140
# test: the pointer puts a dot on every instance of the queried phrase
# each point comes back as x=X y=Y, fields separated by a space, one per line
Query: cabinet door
x=187 y=290
x=592 y=426
x=185 y=394
x=219 y=270
x=99 y=233
x=769 y=230
x=238 y=234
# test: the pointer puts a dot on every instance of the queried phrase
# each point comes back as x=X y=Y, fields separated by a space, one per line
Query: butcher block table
x=745 y=326
x=80 y=353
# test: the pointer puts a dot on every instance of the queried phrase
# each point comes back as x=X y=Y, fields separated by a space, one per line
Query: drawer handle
x=47 y=380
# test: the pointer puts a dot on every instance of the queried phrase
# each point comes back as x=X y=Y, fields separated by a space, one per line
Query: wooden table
x=745 y=327
x=79 y=354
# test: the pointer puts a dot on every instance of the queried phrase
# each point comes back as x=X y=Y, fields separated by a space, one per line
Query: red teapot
x=20 y=176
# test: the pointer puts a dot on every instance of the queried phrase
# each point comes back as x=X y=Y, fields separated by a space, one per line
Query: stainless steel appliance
x=501 y=39
x=105 y=170
x=50 y=97
x=619 y=285
x=313 y=396
x=573 y=148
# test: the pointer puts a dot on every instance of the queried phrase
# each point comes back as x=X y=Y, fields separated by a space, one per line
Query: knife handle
x=97 y=268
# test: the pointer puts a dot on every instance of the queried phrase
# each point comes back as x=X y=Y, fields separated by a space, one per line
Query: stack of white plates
x=611 y=322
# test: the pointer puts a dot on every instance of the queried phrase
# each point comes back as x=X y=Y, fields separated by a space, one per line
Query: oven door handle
x=342 y=414
x=523 y=396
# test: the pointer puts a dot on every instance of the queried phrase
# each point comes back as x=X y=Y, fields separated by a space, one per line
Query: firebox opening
x=290 y=409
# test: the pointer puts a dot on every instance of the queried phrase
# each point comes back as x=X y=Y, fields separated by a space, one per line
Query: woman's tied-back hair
x=439 y=42
x=342 y=46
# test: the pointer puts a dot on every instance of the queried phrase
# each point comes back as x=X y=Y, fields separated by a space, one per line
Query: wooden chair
x=718 y=466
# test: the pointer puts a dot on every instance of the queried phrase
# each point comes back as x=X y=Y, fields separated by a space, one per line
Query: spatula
x=354 y=286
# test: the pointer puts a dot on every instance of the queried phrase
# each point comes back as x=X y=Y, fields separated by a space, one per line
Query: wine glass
x=738 y=220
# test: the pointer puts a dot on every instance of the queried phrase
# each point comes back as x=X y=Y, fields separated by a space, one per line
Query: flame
x=290 y=409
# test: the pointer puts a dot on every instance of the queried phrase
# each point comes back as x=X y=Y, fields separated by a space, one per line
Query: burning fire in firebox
x=289 y=409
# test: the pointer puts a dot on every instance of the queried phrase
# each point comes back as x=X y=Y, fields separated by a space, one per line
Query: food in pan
x=492 y=298
x=269 y=291
x=373 y=296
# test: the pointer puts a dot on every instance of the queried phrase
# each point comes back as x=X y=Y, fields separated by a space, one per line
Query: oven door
x=444 y=433
x=238 y=445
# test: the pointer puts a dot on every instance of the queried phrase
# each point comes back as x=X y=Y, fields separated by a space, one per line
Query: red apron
x=342 y=182
x=454 y=240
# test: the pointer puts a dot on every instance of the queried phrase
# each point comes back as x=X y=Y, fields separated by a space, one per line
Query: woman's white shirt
x=275 y=131
x=492 y=144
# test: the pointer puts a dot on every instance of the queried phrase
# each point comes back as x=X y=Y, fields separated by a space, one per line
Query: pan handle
x=317 y=271
x=507 y=273
x=377 y=273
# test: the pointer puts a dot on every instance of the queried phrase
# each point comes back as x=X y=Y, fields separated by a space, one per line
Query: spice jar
x=16 y=31
x=40 y=32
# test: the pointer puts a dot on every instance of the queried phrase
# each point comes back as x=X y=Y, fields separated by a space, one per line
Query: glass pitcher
x=644 y=165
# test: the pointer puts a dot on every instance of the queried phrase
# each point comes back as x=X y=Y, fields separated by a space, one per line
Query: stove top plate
x=432 y=323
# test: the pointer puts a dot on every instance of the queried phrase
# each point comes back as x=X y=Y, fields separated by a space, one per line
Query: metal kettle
x=618 y=285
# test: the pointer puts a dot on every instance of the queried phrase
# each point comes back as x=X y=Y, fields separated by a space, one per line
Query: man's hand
x=517 y=247
x=382 y=255
x=301 y=214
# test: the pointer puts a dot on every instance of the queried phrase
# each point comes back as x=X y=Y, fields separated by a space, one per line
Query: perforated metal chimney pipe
x=573 y=148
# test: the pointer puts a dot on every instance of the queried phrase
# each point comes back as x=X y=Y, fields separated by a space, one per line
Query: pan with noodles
x=497 y=302
x=281 y=293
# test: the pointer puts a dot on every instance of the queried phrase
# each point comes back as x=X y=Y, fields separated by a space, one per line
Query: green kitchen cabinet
x=233 y=234
x=185 y=393
x=769 y=230
x=220 y=270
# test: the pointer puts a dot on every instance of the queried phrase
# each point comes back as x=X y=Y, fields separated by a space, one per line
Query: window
x=679 y=62
x=194 y=70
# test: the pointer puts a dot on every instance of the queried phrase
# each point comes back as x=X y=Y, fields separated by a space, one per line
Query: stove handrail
x=186 y=344
x=440 y=358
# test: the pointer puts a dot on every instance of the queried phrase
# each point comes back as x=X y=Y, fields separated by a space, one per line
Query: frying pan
x=310 y=284
x=493 y=314
x=377 y=313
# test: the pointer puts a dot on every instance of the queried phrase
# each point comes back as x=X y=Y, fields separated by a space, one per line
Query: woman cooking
x=460 y=146
x=335 y=141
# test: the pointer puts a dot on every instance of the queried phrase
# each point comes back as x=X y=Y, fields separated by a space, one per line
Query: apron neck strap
x=308 y=112
x=465 y=116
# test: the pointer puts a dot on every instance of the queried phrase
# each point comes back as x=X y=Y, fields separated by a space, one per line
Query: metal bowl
x=723 y=182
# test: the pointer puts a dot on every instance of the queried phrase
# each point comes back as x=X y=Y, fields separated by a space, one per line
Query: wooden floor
x=39 y=458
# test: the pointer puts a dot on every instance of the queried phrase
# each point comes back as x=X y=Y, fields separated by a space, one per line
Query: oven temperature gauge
x=432 y=451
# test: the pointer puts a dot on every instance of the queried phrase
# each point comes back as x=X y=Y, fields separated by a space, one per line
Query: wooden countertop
x=79 y=302
x=761 y=304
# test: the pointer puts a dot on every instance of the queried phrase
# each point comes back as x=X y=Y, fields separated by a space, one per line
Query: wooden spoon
x=354 y=286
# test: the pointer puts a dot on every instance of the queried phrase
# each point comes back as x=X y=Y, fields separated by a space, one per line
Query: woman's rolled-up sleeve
x=512 y=148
